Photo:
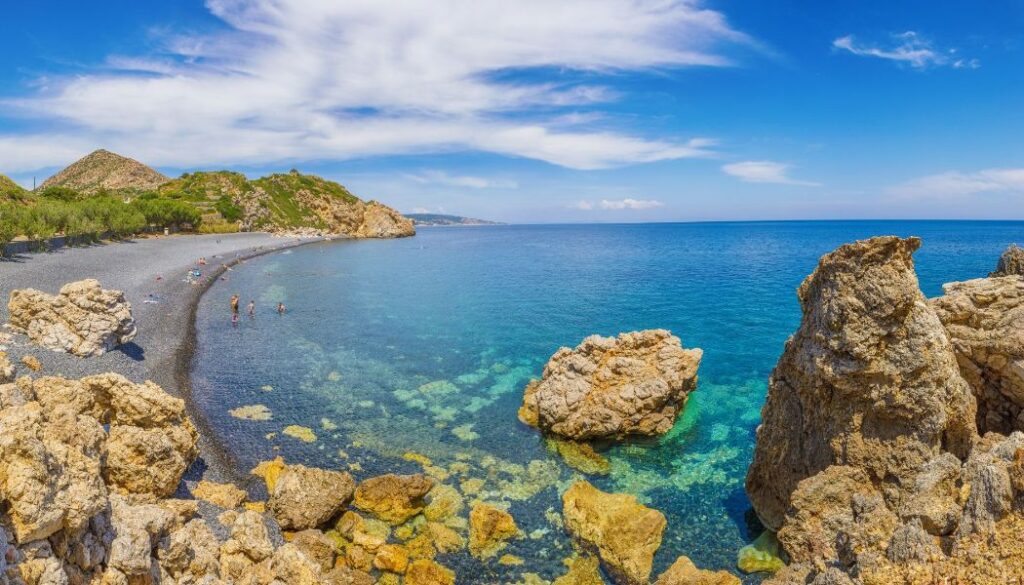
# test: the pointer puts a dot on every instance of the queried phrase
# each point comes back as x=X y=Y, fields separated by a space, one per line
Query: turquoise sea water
x=423 y=345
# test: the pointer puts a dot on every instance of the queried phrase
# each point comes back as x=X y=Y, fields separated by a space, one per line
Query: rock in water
x=684 y=572
x=985 y=320
x=489 y=528
x=305 y=497
x=607 y=387
x=393 y=498
x=84 y=319
x=1011 y=262
x=869 y=380
x=624 y=533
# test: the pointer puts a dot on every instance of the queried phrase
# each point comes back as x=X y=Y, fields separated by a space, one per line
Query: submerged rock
x=224 y=495
x=489 y=528
x=583 y=570
x=607 y=387
x=83 y=319
x=761 y=556
x=684 y=572
x=393 y=498
x=624 y=533
x=869 y=379
x=985 y=320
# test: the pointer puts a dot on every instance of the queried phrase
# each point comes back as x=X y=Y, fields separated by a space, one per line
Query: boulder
x=624 y=533
x=427 y=572
x=684 y=572
x=6 y=369
x=489 y=529
x=393 y=498
x=608 y=387
x=869 y=380
x=305 y=497
x=224 y=495
x=985 y=321
x=83 y=319
x=1011 y=262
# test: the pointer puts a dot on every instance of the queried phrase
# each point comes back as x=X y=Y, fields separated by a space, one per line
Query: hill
x=11 y=191
x=440 y=219
x=103 y=170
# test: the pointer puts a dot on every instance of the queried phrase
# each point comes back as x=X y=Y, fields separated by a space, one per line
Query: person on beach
x=234 y=305
x=280 y=308
x=251 y=309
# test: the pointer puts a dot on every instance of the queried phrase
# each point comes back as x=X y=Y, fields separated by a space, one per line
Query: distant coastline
x=444 y=220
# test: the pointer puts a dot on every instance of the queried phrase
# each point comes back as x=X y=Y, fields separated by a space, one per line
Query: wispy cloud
x=956 y=184
x=442 y=178
x=763 y=171
x=909 y=48
x=303 y=79
x=616 y=204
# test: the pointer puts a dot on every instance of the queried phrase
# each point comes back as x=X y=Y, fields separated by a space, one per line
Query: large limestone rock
x=624 y=533
x=985 y=320
x=381 y=221
x=1011 y=262
x=305 y=497
x=684 y=572
x=869 y=380
x=610 y=387
x=393 y=498
x=84 y=319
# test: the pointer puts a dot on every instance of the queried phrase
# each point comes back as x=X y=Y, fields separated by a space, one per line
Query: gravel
x=163 y=346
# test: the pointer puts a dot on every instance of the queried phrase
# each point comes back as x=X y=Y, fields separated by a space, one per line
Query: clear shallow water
x=423 y=345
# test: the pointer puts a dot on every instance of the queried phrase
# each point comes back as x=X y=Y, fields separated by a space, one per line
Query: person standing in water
x=280 y=308
x=234 y=305
x=251 y=309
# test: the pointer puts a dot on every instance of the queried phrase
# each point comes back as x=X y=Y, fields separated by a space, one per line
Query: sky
x=541 y=110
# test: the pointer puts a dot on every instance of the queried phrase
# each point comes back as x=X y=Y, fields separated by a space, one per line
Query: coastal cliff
x=868 y=461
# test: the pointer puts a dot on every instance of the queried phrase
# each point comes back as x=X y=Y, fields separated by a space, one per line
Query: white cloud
x=616 y=204
x=764 y=171
x=442 y=178
x=910 y=48
x=956 y=184
x=303 y=79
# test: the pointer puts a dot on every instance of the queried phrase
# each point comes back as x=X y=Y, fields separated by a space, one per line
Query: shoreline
x=165 y=347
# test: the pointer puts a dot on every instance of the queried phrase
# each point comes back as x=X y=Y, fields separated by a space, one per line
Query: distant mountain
x=439 y=219
x=104 y=170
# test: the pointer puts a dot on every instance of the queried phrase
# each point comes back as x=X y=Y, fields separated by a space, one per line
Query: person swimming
x=280 y=309
x=251 y=309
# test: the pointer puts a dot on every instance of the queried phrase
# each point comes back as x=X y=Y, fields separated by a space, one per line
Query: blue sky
x=536 y=111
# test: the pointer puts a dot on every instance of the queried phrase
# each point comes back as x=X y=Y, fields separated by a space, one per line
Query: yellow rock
x=444 y=538
x=393 y=498
x=328 y=425
x=489 y=528
x=580 y=456
x=762 y=555
x=224 y=495
x=252 y=412
x=392 y=557
x=426 y=572
x=444 y=502
x=466 y=432
x=684 y=572
x=304 y=434
x=510 y=560
x=269 y=471
x=32 y=363
x=582 y=571
x=625 y=533
x=258 y=507
x=471 y=486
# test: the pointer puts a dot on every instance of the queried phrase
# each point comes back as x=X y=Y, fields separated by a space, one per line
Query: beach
x=152 y=273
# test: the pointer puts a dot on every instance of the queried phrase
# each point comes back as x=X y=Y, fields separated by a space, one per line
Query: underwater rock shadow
x=133 y=350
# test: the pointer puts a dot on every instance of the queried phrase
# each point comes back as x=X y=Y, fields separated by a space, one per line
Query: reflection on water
x=411 y=355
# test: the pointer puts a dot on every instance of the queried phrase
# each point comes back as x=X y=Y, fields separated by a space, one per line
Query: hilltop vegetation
x=105 y=193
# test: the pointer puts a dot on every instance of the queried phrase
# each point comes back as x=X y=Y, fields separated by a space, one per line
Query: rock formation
x=624 y=533
x=869 y=380
x=305 y=497
x=84 y=319
x=1011 y=262
x=868 y=462
x=684 y=572
x=393 y=498
x=489 y=528
x=6 y=369
x=985 y=320
x=635 y=384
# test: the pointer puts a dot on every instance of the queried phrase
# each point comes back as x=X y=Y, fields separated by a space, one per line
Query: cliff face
x=104 y=170
x=868 y=462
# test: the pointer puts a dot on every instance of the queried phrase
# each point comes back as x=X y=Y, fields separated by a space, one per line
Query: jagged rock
x=583 y=570
x=1011 y=262
x=427 y=572
x=190 y=553
x=624 y=533
x=606 y=387
x=985 y=321
x=392 y=557
x=869 y=380
x=6 y=369
x=315 y=545
x=489 y=529
x=911 y=542
x=935 y=496
x=393 y=498
x=84 y=319
x=32 y=362
x=305 y=497
x=224 y=495
x=381 y=221
x=684 y=572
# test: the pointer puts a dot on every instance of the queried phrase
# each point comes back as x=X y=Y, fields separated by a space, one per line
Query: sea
x=401 y=355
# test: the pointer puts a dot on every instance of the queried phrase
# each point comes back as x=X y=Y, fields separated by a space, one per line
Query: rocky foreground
x=890 y=449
